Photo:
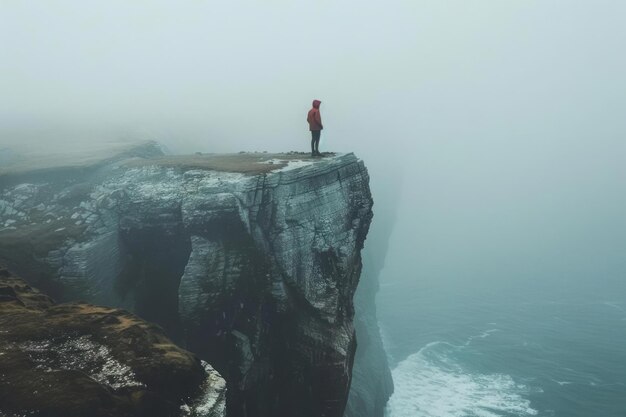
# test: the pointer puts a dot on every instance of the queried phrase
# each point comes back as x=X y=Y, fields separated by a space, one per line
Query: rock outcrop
x=80 y=360
x=250 y=261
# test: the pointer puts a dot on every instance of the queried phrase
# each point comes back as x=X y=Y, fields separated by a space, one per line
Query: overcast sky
x=241 y=74
x=503 y=116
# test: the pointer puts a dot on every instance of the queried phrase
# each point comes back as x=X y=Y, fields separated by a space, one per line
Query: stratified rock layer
x=253 y=266
x=80 y=360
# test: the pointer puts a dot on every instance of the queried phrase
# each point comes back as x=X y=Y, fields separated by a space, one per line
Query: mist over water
x=503 y=292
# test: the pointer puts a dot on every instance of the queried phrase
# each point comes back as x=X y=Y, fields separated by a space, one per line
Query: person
x=315 y=126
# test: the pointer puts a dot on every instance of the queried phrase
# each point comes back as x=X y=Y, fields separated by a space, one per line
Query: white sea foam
x=483 y=335
x=430 y=383
x=561 y=383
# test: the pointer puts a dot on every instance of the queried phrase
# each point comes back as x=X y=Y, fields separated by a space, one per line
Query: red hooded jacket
x=314 y=118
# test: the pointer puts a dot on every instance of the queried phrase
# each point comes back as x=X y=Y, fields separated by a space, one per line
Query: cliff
x=83 y=360
x=372 y=383
x=250 y=261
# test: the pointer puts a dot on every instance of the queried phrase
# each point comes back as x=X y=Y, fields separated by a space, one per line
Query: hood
x=316 y=104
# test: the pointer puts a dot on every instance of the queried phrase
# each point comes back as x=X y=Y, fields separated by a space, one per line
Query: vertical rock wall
x=372 y=383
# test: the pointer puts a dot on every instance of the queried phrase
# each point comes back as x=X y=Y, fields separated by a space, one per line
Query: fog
x=503 y=120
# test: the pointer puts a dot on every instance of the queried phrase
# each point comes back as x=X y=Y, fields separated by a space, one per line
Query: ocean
x=548 y=350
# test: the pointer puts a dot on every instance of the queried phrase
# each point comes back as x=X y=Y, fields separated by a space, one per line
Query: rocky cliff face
x=81 y=360
x=372 y=383
x=251 y=261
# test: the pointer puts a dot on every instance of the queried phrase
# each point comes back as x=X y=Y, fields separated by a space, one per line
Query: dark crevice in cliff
x=155 y=260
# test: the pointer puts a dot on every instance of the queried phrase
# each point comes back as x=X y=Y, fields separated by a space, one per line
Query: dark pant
x=315 y=141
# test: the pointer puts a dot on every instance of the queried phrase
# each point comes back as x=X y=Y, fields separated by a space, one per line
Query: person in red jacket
x=315 y=126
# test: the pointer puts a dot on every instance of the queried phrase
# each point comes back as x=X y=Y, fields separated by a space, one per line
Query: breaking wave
x=432 y=383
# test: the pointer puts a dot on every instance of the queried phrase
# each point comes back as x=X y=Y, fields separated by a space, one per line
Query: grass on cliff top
x=250 y=163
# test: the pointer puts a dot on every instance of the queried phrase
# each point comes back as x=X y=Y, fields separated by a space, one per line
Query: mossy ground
x=167 y=375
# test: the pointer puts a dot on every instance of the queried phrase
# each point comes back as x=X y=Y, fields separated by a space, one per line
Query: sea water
x=548 y=349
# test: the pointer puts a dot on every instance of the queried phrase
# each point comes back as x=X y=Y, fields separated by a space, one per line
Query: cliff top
x=37 y=162
x=242 y=162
